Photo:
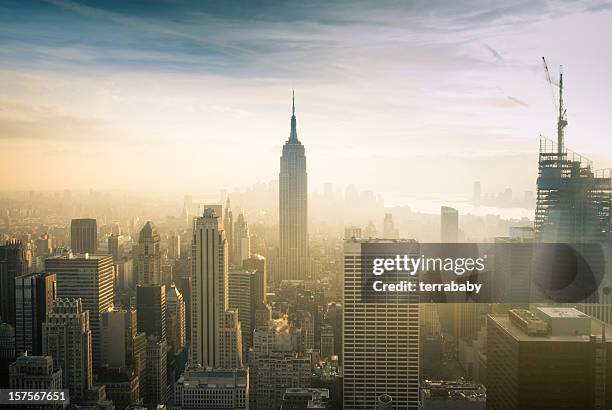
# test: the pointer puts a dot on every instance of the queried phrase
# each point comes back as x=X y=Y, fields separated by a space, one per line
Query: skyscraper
x=89 y=277
x=293 y=208
x=175 y=319
x=228 y=226
x=84 y=235
x=12 y=264
x=381 y=340
x=151 y=306
x=242 y=240
x=34 y=299
x=67 y=338
x=449 y=225
x=149 y=255
x=209 y=274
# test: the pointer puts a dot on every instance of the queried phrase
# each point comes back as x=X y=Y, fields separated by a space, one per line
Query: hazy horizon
x=425 y=98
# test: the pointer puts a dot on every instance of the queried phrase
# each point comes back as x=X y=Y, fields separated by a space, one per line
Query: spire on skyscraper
x=293 y=138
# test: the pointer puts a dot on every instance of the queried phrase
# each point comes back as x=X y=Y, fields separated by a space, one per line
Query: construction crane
x=562 y=112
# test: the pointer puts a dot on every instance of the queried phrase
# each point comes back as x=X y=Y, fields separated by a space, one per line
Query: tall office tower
x=89 y=277
x=240 y=281
x=449 y=225
x=174 y=246
x=228 y=226
x=293 y=208
x=115 y=247
x=34 y=298
x=206 y=388
x=156 y=386
x=257 y=263
x=13 y=263
x=67 y=338
x=389 y=231
x=175 y=319
x=333 y=317
x=209 y=277
x=151 y=306
x=34 y=373
x=242 y=240
x=381 y=340
x=230 y=344
x=44 y=246
x=84 y=236
x=148 y=260
x=122 y=345
x=549 y=358
x=327 y=341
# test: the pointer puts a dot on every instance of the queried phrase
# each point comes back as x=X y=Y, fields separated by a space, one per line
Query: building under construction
x=573 y=202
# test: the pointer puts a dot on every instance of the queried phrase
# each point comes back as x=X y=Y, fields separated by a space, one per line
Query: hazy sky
x=402 y=98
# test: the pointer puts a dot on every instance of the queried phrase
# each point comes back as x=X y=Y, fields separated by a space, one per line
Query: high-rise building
x=209 y=281
x=12 y=264
x=156 y=386
x=115 y=246
x=381 y=340
x=84 y=235
x=34 y=298
x=122 y=344
x=90 y=278
x=175 y=319
x=174 y=246
x=148 y=259
x=389 y=231
x=151 y=306
x=449 y=225
x=240 y=282
x=228 y=226
x=207 y=388
x=34 y=373
x=573 y=199
x=230 y=342
x=293 y=208
x=67 y=339
x=242 y=240
x=548 y=358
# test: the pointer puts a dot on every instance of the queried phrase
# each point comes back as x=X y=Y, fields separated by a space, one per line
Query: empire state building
x=293 y=208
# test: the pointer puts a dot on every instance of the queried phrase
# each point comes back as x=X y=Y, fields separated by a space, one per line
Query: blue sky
x=399 y=97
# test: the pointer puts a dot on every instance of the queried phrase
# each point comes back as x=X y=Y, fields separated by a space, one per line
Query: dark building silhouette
x=151 y=307
x=13 y=263
x=34 y=298
x=84 y=235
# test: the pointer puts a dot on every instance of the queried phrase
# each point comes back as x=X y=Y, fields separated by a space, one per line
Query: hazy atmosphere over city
x=285 y=205
x=390 y=95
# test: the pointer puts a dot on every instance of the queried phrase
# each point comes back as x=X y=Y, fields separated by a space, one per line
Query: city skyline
x=480 y=93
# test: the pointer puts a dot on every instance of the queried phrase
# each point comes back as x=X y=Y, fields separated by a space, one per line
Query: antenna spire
x=293 y=138
x=293 y=102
